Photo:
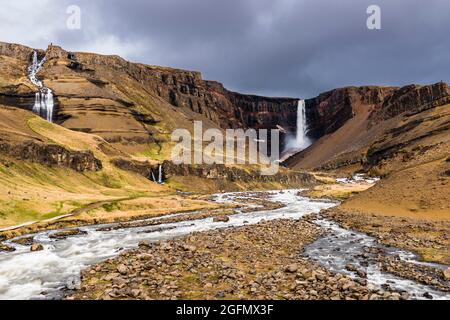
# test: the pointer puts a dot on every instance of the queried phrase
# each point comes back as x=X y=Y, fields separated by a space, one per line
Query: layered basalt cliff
x=412 y=99
x=362 y=126
x=213 y=172
x=15 y=89
x=187 y=89
x=87 y=86
x=51 y=155
x=331 y=110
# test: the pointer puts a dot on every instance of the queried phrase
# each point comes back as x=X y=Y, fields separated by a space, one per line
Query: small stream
x=340 y=248
x=46 y=274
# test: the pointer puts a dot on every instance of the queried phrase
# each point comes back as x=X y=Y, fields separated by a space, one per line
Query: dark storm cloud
x=274 y=47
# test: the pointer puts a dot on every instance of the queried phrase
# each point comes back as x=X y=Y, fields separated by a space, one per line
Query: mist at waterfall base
x=43 y=103
x=300 y=141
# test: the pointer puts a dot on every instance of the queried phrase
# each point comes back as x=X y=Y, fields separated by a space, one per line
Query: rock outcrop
x=214 y=172
x=412 y=99
x=51 y=155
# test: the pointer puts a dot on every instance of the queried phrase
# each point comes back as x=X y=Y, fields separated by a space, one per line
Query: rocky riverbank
x=262 y=261
x=428 y=238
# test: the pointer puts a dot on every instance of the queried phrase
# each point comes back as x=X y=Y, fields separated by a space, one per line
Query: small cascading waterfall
x=43 y=102
x=160 y=175
x=160 y=179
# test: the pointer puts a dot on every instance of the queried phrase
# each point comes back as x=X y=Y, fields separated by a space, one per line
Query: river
x=46 y=274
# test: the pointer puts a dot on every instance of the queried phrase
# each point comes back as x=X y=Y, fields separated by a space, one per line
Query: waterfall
x=153 y=177
x=302 y=141
x=160 y=176
x=43 y=102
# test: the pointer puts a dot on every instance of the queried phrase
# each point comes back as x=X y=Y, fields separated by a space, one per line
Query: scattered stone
x=144 y=244
x=351 y=268
x=291 y=268
x=189 y=248
x=5 y=248
x=428 y=295
x=221 y=219
x=66 y=233
x=36 y=247
x=446 y=274
x=27 y=241
x=122 y=269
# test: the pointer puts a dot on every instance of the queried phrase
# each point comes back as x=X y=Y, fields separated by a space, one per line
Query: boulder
x=446 y=274
x=221 y=219
x=36 y=247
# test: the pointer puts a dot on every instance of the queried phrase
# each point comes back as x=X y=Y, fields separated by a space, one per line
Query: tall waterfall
x=43 y=102
x=302 y=141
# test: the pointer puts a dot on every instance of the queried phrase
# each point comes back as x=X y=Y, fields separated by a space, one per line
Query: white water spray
x=43 y=102
x=301 y=141
x=160 y=176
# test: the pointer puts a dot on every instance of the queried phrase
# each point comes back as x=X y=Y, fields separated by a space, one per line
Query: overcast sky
x=295 y=48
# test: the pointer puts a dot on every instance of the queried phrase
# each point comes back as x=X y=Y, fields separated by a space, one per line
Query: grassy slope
x=30 y=191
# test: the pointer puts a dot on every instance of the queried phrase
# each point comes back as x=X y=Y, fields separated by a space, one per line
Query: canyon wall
x=187 y=89
x=213 y=172
x=51 y=155
x=331 y=110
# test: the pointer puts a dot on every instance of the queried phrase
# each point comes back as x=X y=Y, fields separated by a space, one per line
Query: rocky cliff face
x=213 y=172
x=187 y=89
x=362 y=126
x=331 y=110
x=51 y=155
x=132 y=99
x=412 y=99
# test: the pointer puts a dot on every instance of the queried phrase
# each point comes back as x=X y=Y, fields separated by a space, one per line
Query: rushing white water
x=43 y=103
x=28 y=275
x=160 y=175
x=341 y=247
x=301 y=140
x=44 y=274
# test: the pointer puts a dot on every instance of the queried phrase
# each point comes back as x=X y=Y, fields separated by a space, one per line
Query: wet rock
x=351 y=268
x=428 y=295
x=144 y=244
x=221 y=219
x=66 y=233
x=446 y=274
x=36 y=247
x=5 y=248
x=361 y=274
x=27 y=241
